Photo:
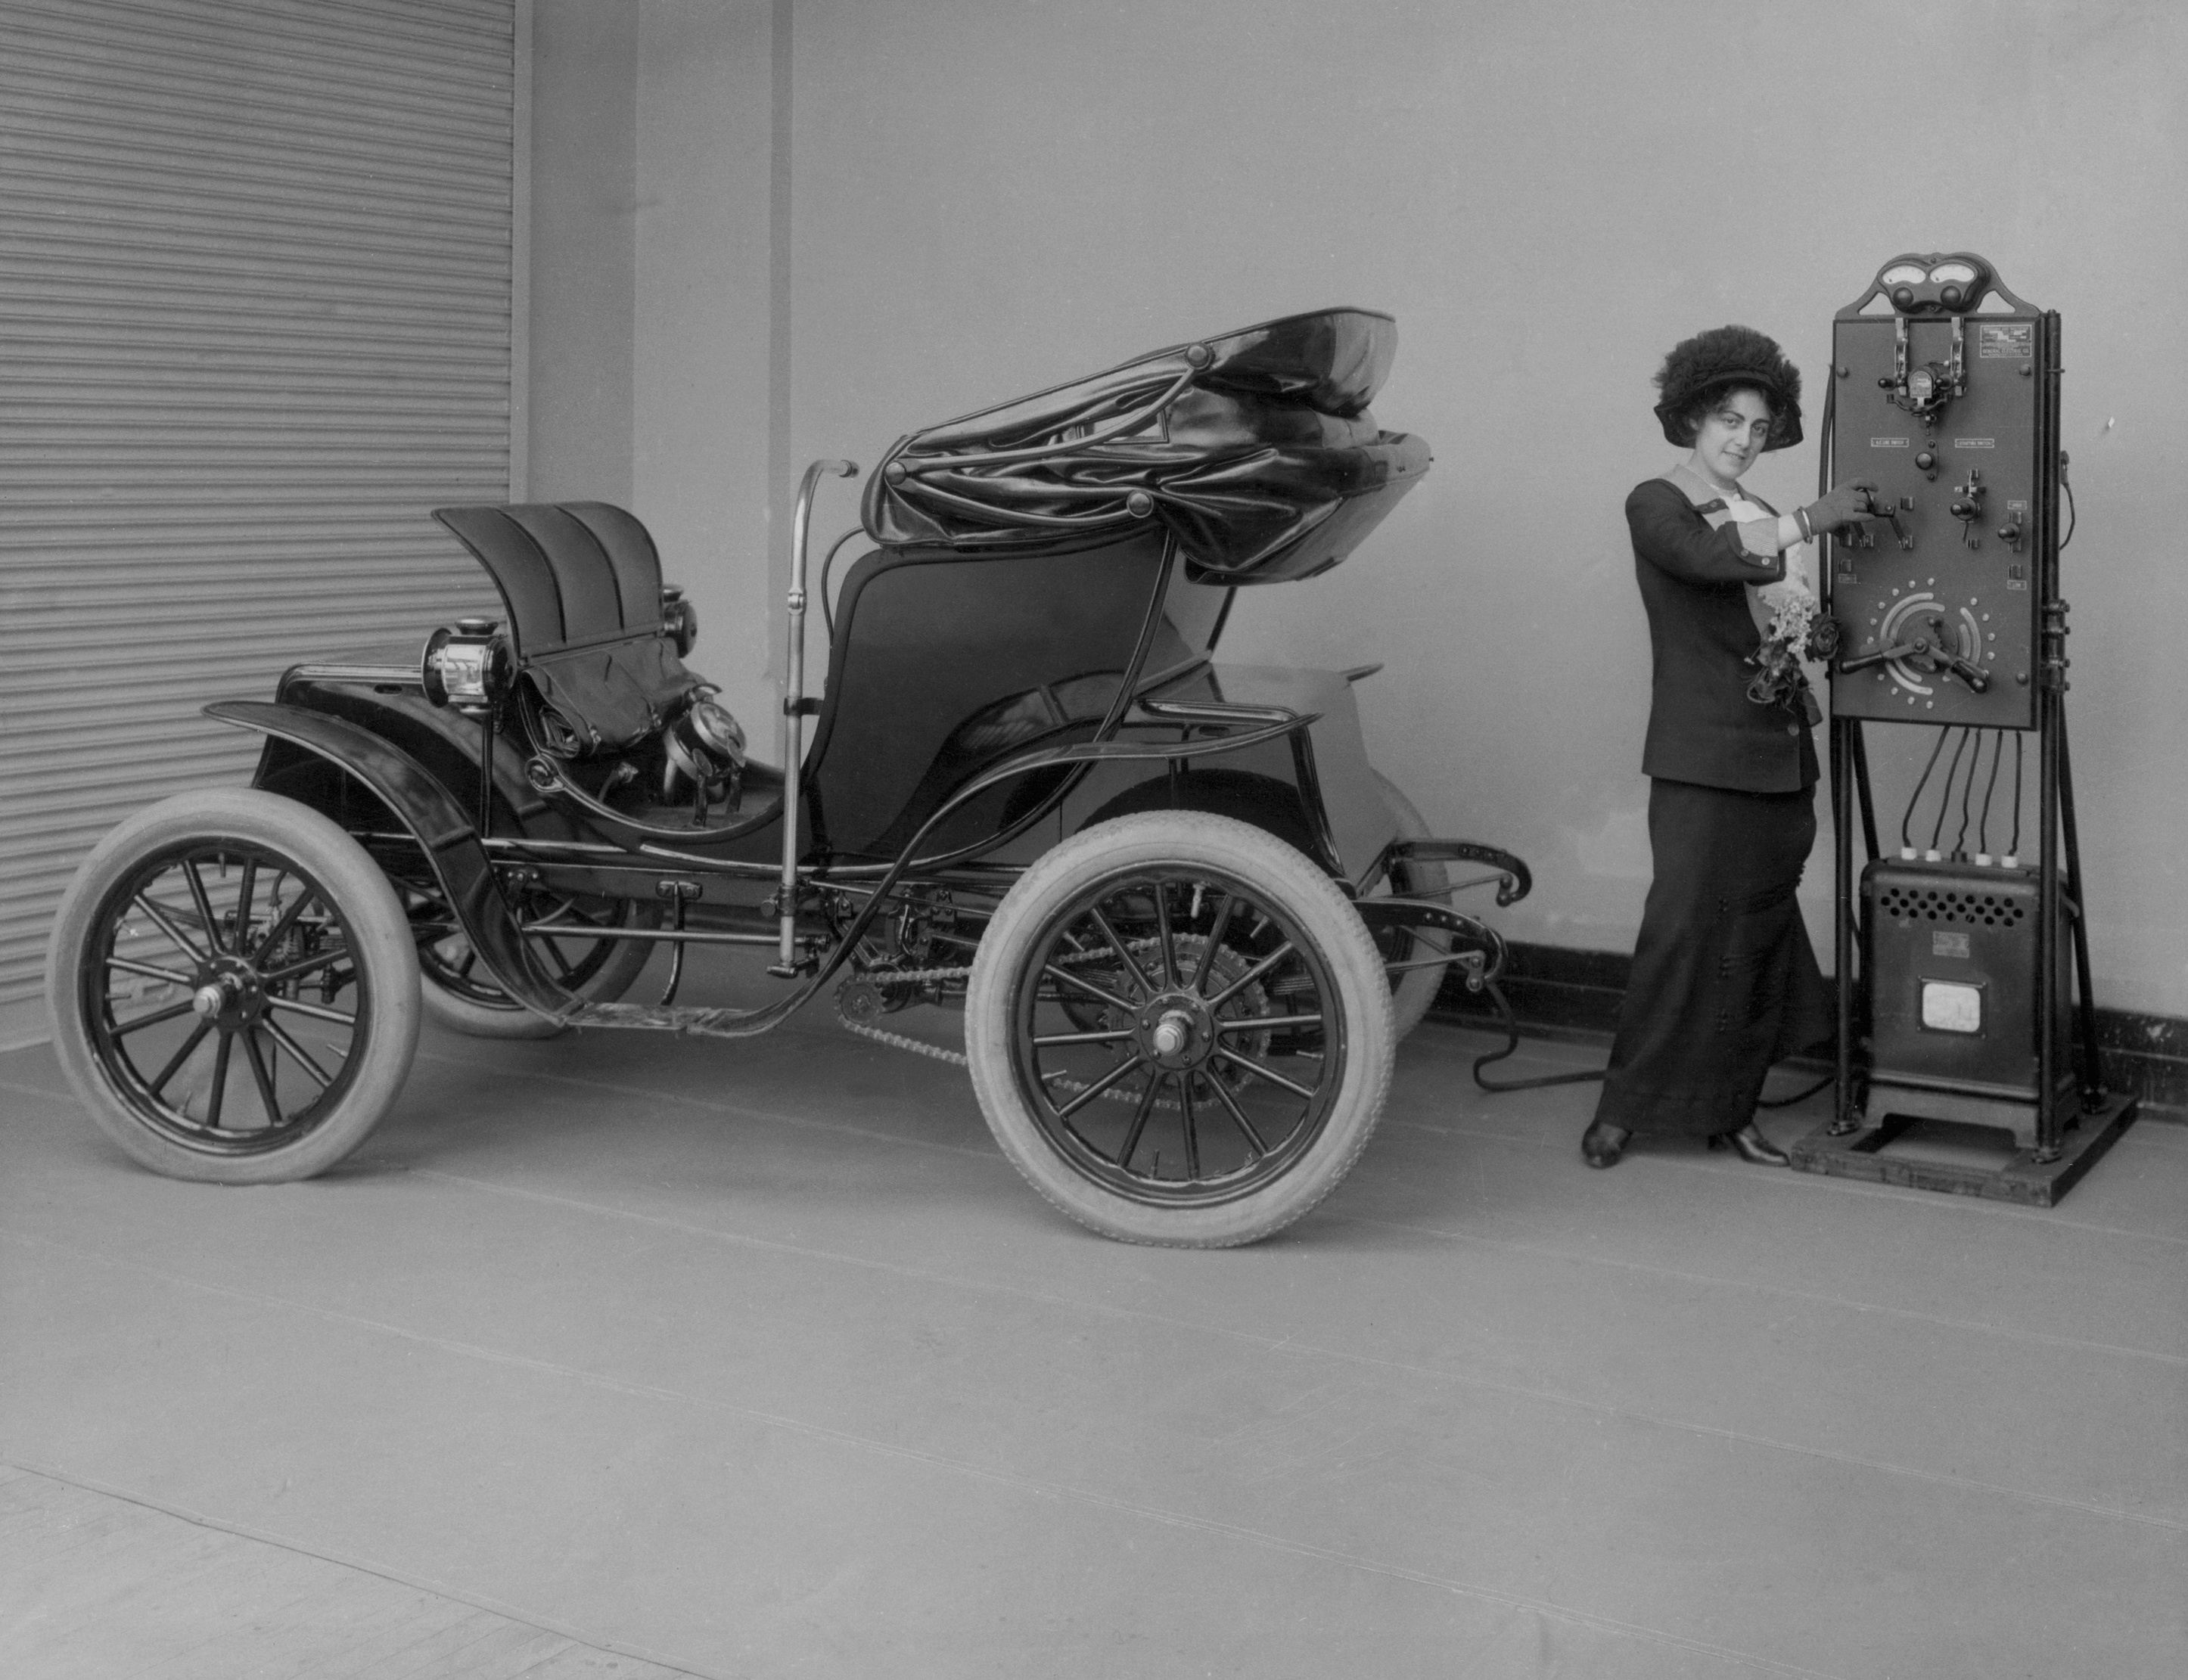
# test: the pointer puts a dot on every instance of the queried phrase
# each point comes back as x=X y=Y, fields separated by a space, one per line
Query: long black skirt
x=1724 y=981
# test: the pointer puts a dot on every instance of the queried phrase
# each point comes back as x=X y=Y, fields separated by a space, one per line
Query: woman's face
x=1733 y=433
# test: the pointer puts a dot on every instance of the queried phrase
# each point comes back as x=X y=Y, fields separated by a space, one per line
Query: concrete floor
x=758 y=1359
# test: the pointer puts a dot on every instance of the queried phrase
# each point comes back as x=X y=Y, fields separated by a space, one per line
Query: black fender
x=1263 y=802
x=430 y=815
x=444 y=742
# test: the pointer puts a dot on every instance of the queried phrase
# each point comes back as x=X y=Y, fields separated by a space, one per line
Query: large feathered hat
x=1727 y=356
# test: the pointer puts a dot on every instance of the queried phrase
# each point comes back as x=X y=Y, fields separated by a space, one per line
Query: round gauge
x=1902 y=274
x=1960 y=272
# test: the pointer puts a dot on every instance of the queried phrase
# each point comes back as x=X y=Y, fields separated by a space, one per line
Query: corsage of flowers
x=1798 y=630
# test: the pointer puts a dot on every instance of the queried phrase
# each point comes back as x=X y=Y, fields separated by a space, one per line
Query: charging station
x=1963 y=962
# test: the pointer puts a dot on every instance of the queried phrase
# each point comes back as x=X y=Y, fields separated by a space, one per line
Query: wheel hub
x=1177 y=1030
x=230 y=996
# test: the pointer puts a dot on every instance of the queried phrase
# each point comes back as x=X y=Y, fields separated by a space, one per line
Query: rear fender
x=430 y=815
x=1269 y=803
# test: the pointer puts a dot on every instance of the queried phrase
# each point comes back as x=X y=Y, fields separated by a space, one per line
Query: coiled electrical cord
x=1585 y=1076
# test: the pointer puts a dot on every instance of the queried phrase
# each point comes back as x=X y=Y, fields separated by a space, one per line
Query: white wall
x=994 y=194
x=584 y=100
x=702 y=329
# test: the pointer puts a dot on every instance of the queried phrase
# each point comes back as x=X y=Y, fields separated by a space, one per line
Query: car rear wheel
x=1179 y=1030
x=460 y=995
x=234 y=989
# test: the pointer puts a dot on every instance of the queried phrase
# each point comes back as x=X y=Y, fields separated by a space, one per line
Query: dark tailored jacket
x=1702 y=726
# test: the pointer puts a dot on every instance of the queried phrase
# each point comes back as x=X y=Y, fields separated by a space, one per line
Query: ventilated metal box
x=1949 y=953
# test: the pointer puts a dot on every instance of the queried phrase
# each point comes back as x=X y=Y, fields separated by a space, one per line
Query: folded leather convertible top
x=1256 y=449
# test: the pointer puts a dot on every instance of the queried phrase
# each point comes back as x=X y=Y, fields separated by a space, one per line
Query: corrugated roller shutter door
x=254 y=321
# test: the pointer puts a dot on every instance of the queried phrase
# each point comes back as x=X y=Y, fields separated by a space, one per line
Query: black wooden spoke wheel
x=234 y=989
x=460 y=993
x=1180 y=1030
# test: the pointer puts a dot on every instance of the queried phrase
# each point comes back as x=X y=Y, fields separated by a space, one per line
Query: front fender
x=432 y=818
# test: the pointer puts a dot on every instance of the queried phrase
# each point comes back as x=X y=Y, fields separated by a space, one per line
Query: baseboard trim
x=1557 y=992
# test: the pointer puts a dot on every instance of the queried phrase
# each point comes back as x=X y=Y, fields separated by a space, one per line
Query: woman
x=1724 y=981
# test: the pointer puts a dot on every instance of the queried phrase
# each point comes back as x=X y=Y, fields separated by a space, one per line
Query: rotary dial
x=1922 y=639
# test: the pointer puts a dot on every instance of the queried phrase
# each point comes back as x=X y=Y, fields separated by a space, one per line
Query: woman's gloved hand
x=1842 y=507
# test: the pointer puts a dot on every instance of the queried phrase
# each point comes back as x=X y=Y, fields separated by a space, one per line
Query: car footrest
x=681 y=1018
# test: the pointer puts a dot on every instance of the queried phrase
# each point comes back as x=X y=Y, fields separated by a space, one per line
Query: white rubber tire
x=1414 y=990
x=1304 y=896
x=381 y=946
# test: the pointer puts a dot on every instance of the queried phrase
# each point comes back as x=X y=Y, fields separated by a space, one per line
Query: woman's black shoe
x=1601 y=1144
x=1750 y=1145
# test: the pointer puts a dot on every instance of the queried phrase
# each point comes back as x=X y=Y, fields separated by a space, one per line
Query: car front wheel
x=234 y=989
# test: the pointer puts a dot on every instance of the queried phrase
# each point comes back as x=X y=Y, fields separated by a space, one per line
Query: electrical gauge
x=1938 y=283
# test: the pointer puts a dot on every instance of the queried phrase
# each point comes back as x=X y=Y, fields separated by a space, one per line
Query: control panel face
x=1936 y=599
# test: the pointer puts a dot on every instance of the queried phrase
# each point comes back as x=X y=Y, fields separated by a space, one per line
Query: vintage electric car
x=1185 y=919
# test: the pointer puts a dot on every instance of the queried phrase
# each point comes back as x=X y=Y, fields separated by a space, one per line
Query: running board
x=693 y=1019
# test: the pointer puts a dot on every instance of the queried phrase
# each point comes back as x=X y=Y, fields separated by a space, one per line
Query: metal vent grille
x=1927 y=904
x=254 y=312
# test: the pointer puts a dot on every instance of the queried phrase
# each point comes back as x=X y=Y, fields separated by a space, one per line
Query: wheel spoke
x=217 y=1097
x=1046 y=1039
x=1087 y=986
x=1139 y=1122
x=243 y=891
x=261 y=1077
x=282 y=924
x=1237 y=1115
x=1191 y=1129
x=1095 y=1090
x=570 y=908
x=562 y=962
x=1268 y=1074
x=176 y=1061
x=157 y=1016
x=297 y=1053
x=166 y=926
x=317 y=1012
x=145 y=968
x=1245 y=1024
x=1215 y=942
x=1163 y=937
x=1117 y=944
x=1251 y=975
x=204 y=904
x=275 y=976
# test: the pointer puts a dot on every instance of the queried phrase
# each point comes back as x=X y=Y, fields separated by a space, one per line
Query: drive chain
x=908 y=977
x=956 y=1058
